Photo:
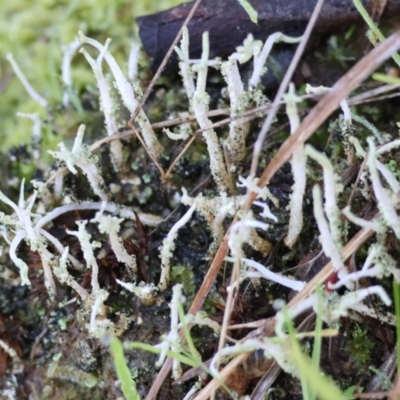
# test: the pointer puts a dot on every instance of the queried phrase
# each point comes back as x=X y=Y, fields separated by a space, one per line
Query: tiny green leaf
x=253 y=14
x=128 y=385
x=385 y=78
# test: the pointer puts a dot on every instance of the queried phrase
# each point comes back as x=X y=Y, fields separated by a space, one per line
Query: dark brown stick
x=228 y=24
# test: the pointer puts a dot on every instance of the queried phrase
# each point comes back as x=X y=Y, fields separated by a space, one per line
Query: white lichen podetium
x=266 y=273
x=128 y=96
x=172 y=342
x=81 y=156
x=332 y=188
x=147 y=292
x=25 y=83
x=298 y=162
x=378 y=264
x=168 y=247
x=244 y=230
x=345 y=121
x=24 y=228
x=239 y=100
x=199 y=100
x=111 y=226
x=69 y=52
x=185 y=67
x=386 y=203
x=63 y=276
x=260 y=58
x=325 y=238
x=386 y=173
x=99 y=324
x=109 y=105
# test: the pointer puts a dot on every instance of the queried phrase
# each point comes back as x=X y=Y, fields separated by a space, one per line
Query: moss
x=44 y=27
x=184 y=275
x=359 y=346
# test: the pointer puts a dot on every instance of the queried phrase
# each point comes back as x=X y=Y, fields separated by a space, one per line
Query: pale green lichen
x=298 y=163
x=332 y=188
x=81 y=156
x=128 y=95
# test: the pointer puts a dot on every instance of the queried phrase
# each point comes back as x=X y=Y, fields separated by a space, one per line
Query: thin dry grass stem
x=253 y=113
x=190 y=118
x=312 y=122
x=154 y=80
x=267 y=329
x=269 y=377
x=308 y=263
x=181 y=153
x=163 y=63
x=162 y=173
x=266 y=382
x=250 y=114
x=375 y=9
x=371 y=396
x=248 y=325
x=54 y=176
x=344 y=86
x=223 y=375
x=353 y=191
x=35 y=347
x=282 y=88
x=232 y=291
x=380 y=98
x=364 y=97
x=214 y=384
x=351 y=247
x=328 y=104
x=395 y=392
x=194 y=308
x=360 y=98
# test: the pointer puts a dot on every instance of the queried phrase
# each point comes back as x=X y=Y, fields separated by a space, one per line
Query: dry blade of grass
x=371 y=396
x=266 y=382
x=154 y=80
x=329 y=103
x=395 y=392
x=258 y=147
x=282 y=88
x=194 y=308
x=267 y=329
x=163 y=63
x=370 y=94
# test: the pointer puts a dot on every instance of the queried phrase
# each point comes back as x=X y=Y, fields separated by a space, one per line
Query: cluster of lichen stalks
x=31 y=219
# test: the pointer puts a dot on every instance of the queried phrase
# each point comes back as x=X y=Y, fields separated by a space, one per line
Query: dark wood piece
x=228 y=24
